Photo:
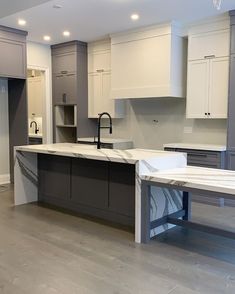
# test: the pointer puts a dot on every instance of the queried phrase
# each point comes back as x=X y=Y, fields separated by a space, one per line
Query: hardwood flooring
x=46 y=251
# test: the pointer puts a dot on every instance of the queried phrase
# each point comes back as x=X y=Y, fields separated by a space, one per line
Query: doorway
x=36 y=89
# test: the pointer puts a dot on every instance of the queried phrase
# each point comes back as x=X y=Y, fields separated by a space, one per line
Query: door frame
x=47 y=103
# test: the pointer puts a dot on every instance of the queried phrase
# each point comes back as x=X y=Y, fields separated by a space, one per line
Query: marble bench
x=181 y=182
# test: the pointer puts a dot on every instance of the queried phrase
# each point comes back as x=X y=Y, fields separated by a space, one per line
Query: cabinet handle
x=209 y=113
x=100 y=70
x=209 y=56
x=59 y=76
x=64 y=97
x=206 y=113
x=64 y=72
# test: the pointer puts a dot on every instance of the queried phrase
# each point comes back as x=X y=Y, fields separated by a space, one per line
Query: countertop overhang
x=166 y=159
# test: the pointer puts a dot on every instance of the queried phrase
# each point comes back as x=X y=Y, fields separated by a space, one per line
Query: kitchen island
x=101 y=183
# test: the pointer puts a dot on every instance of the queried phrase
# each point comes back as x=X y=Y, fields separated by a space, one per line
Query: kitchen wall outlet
x=188 y=130
x=3 y=89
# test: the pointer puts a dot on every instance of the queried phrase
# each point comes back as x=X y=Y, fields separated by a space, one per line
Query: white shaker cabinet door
x=107 y=102
x=211 y=44
x=197 y=91
x=94 y=94
x=218 y=89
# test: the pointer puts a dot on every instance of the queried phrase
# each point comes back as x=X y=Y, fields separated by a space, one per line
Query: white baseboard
x=4 y=179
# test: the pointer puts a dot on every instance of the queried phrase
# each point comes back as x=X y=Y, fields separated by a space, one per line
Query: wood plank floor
x=46 y=251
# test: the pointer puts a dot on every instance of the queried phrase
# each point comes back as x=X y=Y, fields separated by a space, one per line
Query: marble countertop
x=195 y=146
x=104 y=140
x=164 y=159
x=215 y=180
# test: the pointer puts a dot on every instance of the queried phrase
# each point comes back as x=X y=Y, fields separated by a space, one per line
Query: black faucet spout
x=36 y=126
x=110 y=127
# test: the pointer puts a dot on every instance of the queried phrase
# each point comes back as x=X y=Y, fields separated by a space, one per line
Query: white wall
x=39 y=57
x=4 y=133
x=139 y=124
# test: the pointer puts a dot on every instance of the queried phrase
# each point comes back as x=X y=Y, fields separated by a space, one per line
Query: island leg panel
x=25 y=178
x=163 y=202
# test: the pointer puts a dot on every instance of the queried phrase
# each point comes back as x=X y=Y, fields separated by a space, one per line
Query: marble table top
x=196 y=146
x=132 y=156
x=215 y=180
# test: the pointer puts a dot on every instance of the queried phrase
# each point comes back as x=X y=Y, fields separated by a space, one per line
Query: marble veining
x=215 y=180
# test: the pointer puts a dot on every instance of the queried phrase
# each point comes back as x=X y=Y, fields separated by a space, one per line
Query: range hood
x=149 y=63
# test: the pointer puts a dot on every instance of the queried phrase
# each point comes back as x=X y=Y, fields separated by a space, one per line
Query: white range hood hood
x=149 y=63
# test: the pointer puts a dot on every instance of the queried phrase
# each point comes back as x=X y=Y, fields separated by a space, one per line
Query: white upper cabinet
x=207 y=92
x=211 y=44
x=148 y=63
x=99 y=81
x=218 y=90
x=208 y=72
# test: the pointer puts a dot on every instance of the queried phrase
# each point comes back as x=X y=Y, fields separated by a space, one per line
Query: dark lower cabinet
x=89 y=183
x=54 y=177
x=122 y=189
x=90 y=187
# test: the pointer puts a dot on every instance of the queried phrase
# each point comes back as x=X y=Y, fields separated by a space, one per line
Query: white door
x=197 y=89
x=218 y=90
x=94 y=94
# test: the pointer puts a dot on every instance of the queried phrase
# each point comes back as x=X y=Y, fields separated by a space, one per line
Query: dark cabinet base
x=99 y=189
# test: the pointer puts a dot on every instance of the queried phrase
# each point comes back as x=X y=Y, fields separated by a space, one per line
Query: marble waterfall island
x=104 y=183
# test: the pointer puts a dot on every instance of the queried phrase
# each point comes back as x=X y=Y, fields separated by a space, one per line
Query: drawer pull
x=64 y=72
x=100 y=70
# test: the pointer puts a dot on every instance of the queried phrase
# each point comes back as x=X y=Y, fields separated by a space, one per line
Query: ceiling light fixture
x=135 y=16
x=217 y=4
x=66 y=33
x=57 y=6
x=21 y=22
x=47 y=38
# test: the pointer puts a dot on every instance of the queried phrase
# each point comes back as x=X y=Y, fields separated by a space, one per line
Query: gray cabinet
x=90 y=187
x=67 y=65
x=211 y=159
x=231 y=108
x=13 y=53
x=54 y=177
x=233 y=38
x=65 y=88
x=89 y=183
x=231 y=160
x=122 y=189
x=231 y=100
x=70 y=87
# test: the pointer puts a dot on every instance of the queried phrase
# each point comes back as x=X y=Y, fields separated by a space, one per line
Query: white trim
x=48 y=101
x=4 y=179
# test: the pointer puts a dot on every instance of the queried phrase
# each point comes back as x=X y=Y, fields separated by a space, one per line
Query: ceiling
x=8 y=7
x=89 y=20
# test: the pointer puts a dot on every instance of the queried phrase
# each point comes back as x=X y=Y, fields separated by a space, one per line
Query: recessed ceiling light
x=135 y=16
x=57 y=6
x=66 y=33
x=21 y=22
x=47 y=38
